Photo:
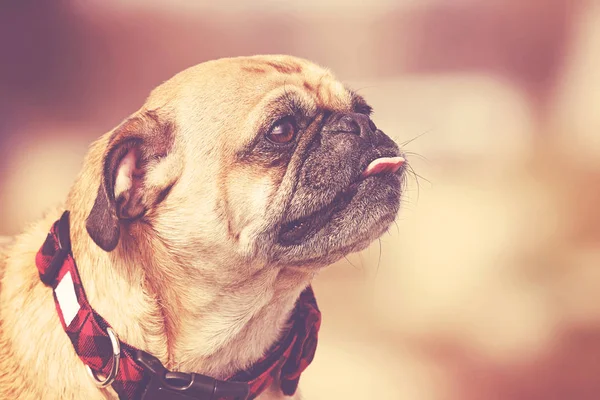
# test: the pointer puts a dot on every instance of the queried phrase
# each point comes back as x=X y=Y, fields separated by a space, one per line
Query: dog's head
x=263 y=158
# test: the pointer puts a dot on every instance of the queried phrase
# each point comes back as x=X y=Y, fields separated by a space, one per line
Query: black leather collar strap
x=140 y=375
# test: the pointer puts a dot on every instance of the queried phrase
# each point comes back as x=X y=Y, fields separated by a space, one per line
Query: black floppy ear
x=131 y=182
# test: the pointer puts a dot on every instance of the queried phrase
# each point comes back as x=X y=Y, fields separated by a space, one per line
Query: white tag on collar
x=67 y=299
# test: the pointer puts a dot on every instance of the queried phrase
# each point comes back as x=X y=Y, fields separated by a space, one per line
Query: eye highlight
x=282 y=131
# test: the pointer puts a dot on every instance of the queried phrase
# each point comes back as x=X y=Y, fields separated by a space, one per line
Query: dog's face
x=262 y=158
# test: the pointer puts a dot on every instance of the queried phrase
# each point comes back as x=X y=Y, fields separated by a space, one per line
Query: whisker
x=365 y=87
x=412 y=153
x=420 y=176
x=379 y=259
x=415 y=138
x=349 y=262
x=412 y=171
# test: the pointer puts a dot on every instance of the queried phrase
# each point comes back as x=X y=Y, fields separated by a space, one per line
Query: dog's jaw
x=213 y=322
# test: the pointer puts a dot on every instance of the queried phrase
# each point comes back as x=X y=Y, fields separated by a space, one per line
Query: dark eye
x=283 y=131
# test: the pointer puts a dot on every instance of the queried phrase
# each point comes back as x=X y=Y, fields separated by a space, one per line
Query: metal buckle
x=168 y=385
x=116 y=348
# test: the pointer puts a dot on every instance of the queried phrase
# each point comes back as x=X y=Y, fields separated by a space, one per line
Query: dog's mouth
x=296 y=231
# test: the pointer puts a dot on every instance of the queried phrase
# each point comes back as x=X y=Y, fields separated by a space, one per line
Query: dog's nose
x=353 y=123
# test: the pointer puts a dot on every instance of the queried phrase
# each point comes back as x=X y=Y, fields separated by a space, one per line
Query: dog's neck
x=215 y=324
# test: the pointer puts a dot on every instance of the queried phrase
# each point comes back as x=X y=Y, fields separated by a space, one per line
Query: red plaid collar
x=285 y=361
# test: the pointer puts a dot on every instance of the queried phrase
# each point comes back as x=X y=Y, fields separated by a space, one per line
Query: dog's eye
x=283 y=131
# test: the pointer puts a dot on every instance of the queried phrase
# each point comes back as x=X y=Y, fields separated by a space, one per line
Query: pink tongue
x=383 y=164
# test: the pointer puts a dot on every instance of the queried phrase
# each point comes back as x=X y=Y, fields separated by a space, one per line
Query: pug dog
x=197 y=223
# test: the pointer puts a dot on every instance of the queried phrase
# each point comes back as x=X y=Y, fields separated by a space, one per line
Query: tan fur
x=184 y=285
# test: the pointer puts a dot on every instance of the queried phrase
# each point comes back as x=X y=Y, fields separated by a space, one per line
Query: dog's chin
x=358 y=215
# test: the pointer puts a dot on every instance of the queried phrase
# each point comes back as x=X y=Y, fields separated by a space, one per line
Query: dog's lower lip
x=294 y=231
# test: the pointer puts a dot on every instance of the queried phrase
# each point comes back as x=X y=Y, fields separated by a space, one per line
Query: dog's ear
x=137 y=174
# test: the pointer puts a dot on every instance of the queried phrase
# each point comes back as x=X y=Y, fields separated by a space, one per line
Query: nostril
x=372 y=125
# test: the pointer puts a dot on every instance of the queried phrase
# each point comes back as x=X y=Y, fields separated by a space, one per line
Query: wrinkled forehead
x=314 y=81
x=237 y=95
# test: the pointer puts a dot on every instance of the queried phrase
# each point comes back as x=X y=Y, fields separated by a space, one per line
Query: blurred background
x=488 y=286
